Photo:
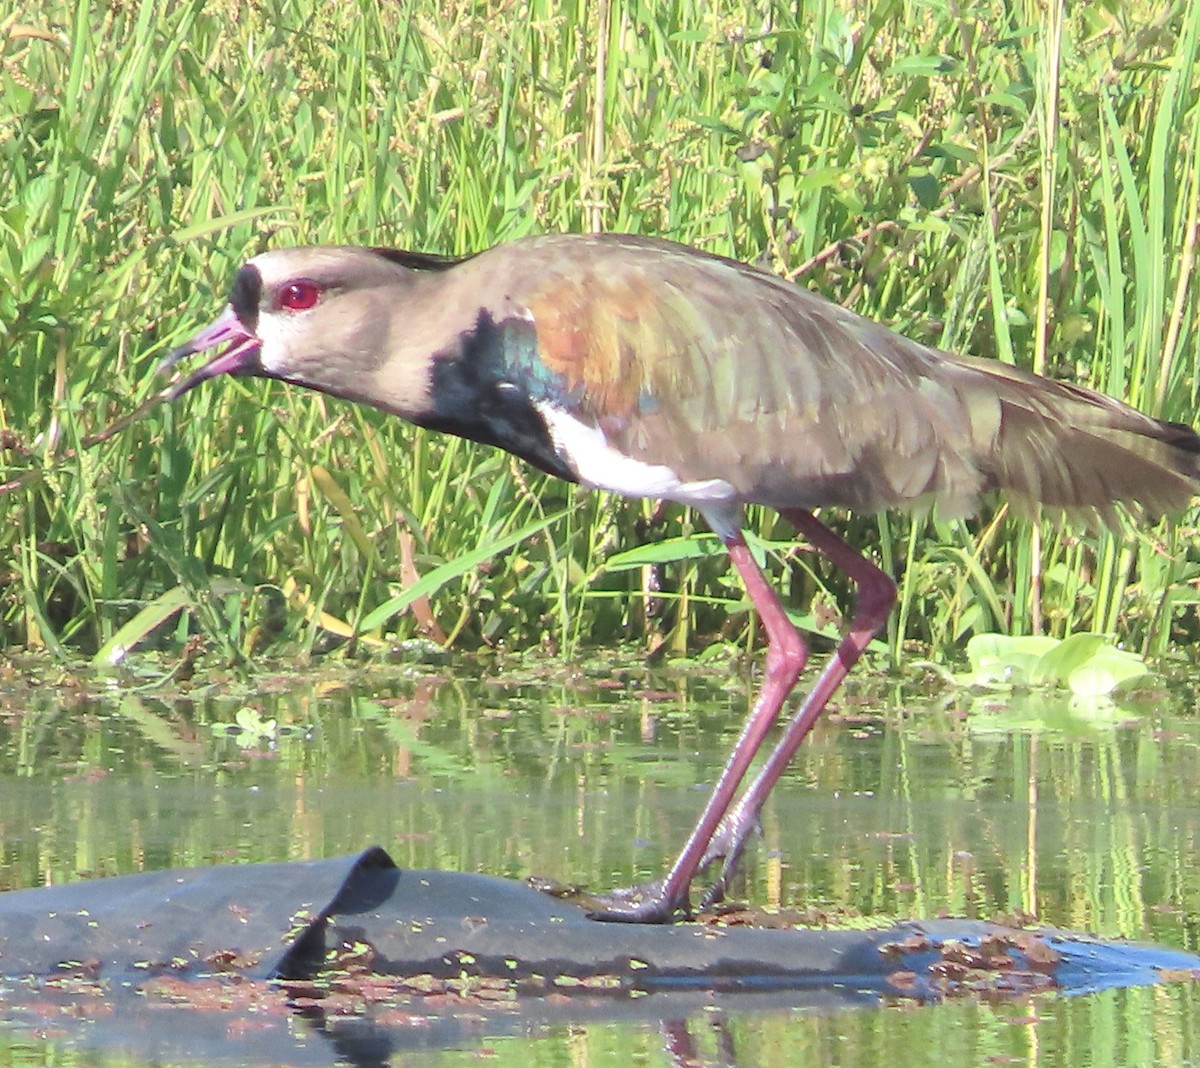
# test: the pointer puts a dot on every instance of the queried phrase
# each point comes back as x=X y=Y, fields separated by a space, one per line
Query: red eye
x=299 y=295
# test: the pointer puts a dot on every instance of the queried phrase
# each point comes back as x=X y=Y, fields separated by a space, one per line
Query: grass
x=1018 y=185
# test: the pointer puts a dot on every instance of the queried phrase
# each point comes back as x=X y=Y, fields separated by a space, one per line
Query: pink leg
x=786 y=655
x=876 y=596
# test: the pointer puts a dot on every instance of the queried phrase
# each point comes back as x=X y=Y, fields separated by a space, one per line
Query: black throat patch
x=483 y=391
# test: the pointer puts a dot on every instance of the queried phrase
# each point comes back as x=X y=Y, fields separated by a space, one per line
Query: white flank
x=598 y=464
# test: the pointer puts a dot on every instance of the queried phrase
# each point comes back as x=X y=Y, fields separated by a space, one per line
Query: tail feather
x=1089 y=455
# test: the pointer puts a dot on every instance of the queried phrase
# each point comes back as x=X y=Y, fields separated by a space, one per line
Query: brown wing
x=718 y=370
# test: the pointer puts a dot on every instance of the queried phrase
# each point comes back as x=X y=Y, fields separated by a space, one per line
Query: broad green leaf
x=142 y=624
x=1105 y=671
x=1067 y=655
x=999 y=658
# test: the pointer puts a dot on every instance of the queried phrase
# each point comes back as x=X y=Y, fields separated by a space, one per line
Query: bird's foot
x=727 y=845
x=648 y=903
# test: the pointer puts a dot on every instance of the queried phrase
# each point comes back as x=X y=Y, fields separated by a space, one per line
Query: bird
x=652 y=369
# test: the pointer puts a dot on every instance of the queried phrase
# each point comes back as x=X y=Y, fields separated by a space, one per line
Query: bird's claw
x=727 y=845
x=647 y=903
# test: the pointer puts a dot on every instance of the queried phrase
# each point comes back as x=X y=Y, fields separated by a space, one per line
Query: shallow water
x=910 y=801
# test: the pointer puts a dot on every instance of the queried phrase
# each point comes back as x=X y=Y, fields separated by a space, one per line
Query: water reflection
x=907 y=802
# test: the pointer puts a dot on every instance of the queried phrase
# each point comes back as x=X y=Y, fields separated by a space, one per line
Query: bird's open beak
x=240 y=357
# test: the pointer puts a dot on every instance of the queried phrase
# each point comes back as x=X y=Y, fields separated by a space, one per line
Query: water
x=910 y=801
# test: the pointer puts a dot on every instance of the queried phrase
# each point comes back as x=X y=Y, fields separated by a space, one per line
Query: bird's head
x=320 y=316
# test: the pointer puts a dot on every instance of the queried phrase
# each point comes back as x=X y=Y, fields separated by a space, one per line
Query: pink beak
x=240 y=357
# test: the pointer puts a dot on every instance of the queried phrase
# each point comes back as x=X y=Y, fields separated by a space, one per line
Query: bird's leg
x=876 y=596
x=661 y=901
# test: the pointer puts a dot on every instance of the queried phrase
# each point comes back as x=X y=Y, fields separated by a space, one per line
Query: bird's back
x=722 y=372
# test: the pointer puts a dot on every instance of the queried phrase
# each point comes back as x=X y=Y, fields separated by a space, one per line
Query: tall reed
x=982 y=179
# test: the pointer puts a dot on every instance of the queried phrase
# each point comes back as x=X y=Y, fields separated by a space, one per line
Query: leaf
x=999 y=658
x=189 y=571
x=299 y=601
x=1067 y=655
x=340 y=500
x=718 y=125
x=143 y=623
x=34 y=252
x=1088 y=664
x=1104 y=672
x=921 y=66
x=927 y=189
x=1004 y=99
x=819 y=178
x=225 y=222
x=669 y=550
x=434 y=580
